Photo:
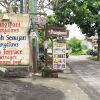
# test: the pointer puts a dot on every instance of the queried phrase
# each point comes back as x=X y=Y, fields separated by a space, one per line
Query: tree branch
x=8 y=3
x=3 y=5
x=11 y=1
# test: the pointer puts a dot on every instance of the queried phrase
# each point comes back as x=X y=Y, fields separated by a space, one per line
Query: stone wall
x=16 y=71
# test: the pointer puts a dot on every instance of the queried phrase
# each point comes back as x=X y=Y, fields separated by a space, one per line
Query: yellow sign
x=59 y=55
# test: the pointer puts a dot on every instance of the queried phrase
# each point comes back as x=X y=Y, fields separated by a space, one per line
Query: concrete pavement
x=38 y=88
x=80 y=81
x=87 y=75
x=65 y=83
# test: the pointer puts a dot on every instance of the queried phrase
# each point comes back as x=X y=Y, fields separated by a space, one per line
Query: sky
x=74 y=31
x=1 y=7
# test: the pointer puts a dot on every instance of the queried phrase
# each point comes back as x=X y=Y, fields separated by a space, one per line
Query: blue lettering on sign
x=4 y=45
x=1 y=37
x=18 y=38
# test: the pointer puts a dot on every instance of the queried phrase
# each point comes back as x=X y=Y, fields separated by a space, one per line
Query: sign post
x=59 y=54
x=45 y=49
x=59 y=47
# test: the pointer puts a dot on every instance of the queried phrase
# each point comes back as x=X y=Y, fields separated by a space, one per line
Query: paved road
x=87 y=75
x=11 y=89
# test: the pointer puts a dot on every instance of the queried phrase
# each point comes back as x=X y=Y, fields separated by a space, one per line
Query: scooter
x=67 y=55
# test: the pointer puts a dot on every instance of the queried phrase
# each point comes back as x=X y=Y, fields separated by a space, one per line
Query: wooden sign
x=57 y=32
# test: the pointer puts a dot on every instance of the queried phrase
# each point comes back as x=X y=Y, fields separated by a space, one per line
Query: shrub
x=2 y=69
x=93 y=58
x=76 y=46
x=40 y=65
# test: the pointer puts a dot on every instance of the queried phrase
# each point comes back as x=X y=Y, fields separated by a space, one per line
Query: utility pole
x=25 y=6
x=21 y=6
x=33 y=12
x=31 y=8
x=35 y=26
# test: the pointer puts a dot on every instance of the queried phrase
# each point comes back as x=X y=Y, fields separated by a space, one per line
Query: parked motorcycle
x=67 y=55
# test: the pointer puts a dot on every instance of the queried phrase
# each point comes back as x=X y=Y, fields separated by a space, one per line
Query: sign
x=57 y=32
x=14 y=42
x=2 y=0
x=39 y=20
x=40 y=28
x=59 y=55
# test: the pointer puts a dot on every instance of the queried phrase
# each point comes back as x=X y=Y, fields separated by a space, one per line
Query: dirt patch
x=11 y=89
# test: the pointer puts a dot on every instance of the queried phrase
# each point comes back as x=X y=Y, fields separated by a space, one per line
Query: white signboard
x=2 y=0
x=59 y=55
x=39 y=20
x=14 y=43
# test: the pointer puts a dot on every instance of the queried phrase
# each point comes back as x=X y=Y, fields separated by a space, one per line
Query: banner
x=14 y=42
x=59 y=55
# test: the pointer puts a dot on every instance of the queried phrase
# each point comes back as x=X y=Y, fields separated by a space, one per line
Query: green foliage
x=93 y=58
x=2 y=69
x=15 y=9
x=40 y=65
x=41 y=37
x=0 y=11
x=50 y=57
x=53 y=21
x=77 y=53
x=85 y=13
x=76 y=45
x=84 y=47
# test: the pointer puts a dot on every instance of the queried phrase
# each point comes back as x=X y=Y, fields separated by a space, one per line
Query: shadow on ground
x=11 y=89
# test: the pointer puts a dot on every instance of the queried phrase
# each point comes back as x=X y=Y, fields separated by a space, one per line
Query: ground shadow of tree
x=16 y=90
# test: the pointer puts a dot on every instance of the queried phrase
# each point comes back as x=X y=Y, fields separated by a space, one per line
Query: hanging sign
x=59 y=55
x=39 y=20
x=14 y=42
x=57 y=32
x=40 y=28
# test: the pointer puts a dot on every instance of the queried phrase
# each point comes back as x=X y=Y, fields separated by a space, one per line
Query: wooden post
x=33 y=55
x=34 y=70
x=45 y=51
x=52 y=54
x=98 y=47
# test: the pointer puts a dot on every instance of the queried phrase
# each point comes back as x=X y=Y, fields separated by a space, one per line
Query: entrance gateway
x=14 y=40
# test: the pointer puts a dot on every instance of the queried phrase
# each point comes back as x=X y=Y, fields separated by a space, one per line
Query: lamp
x=5 y=17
